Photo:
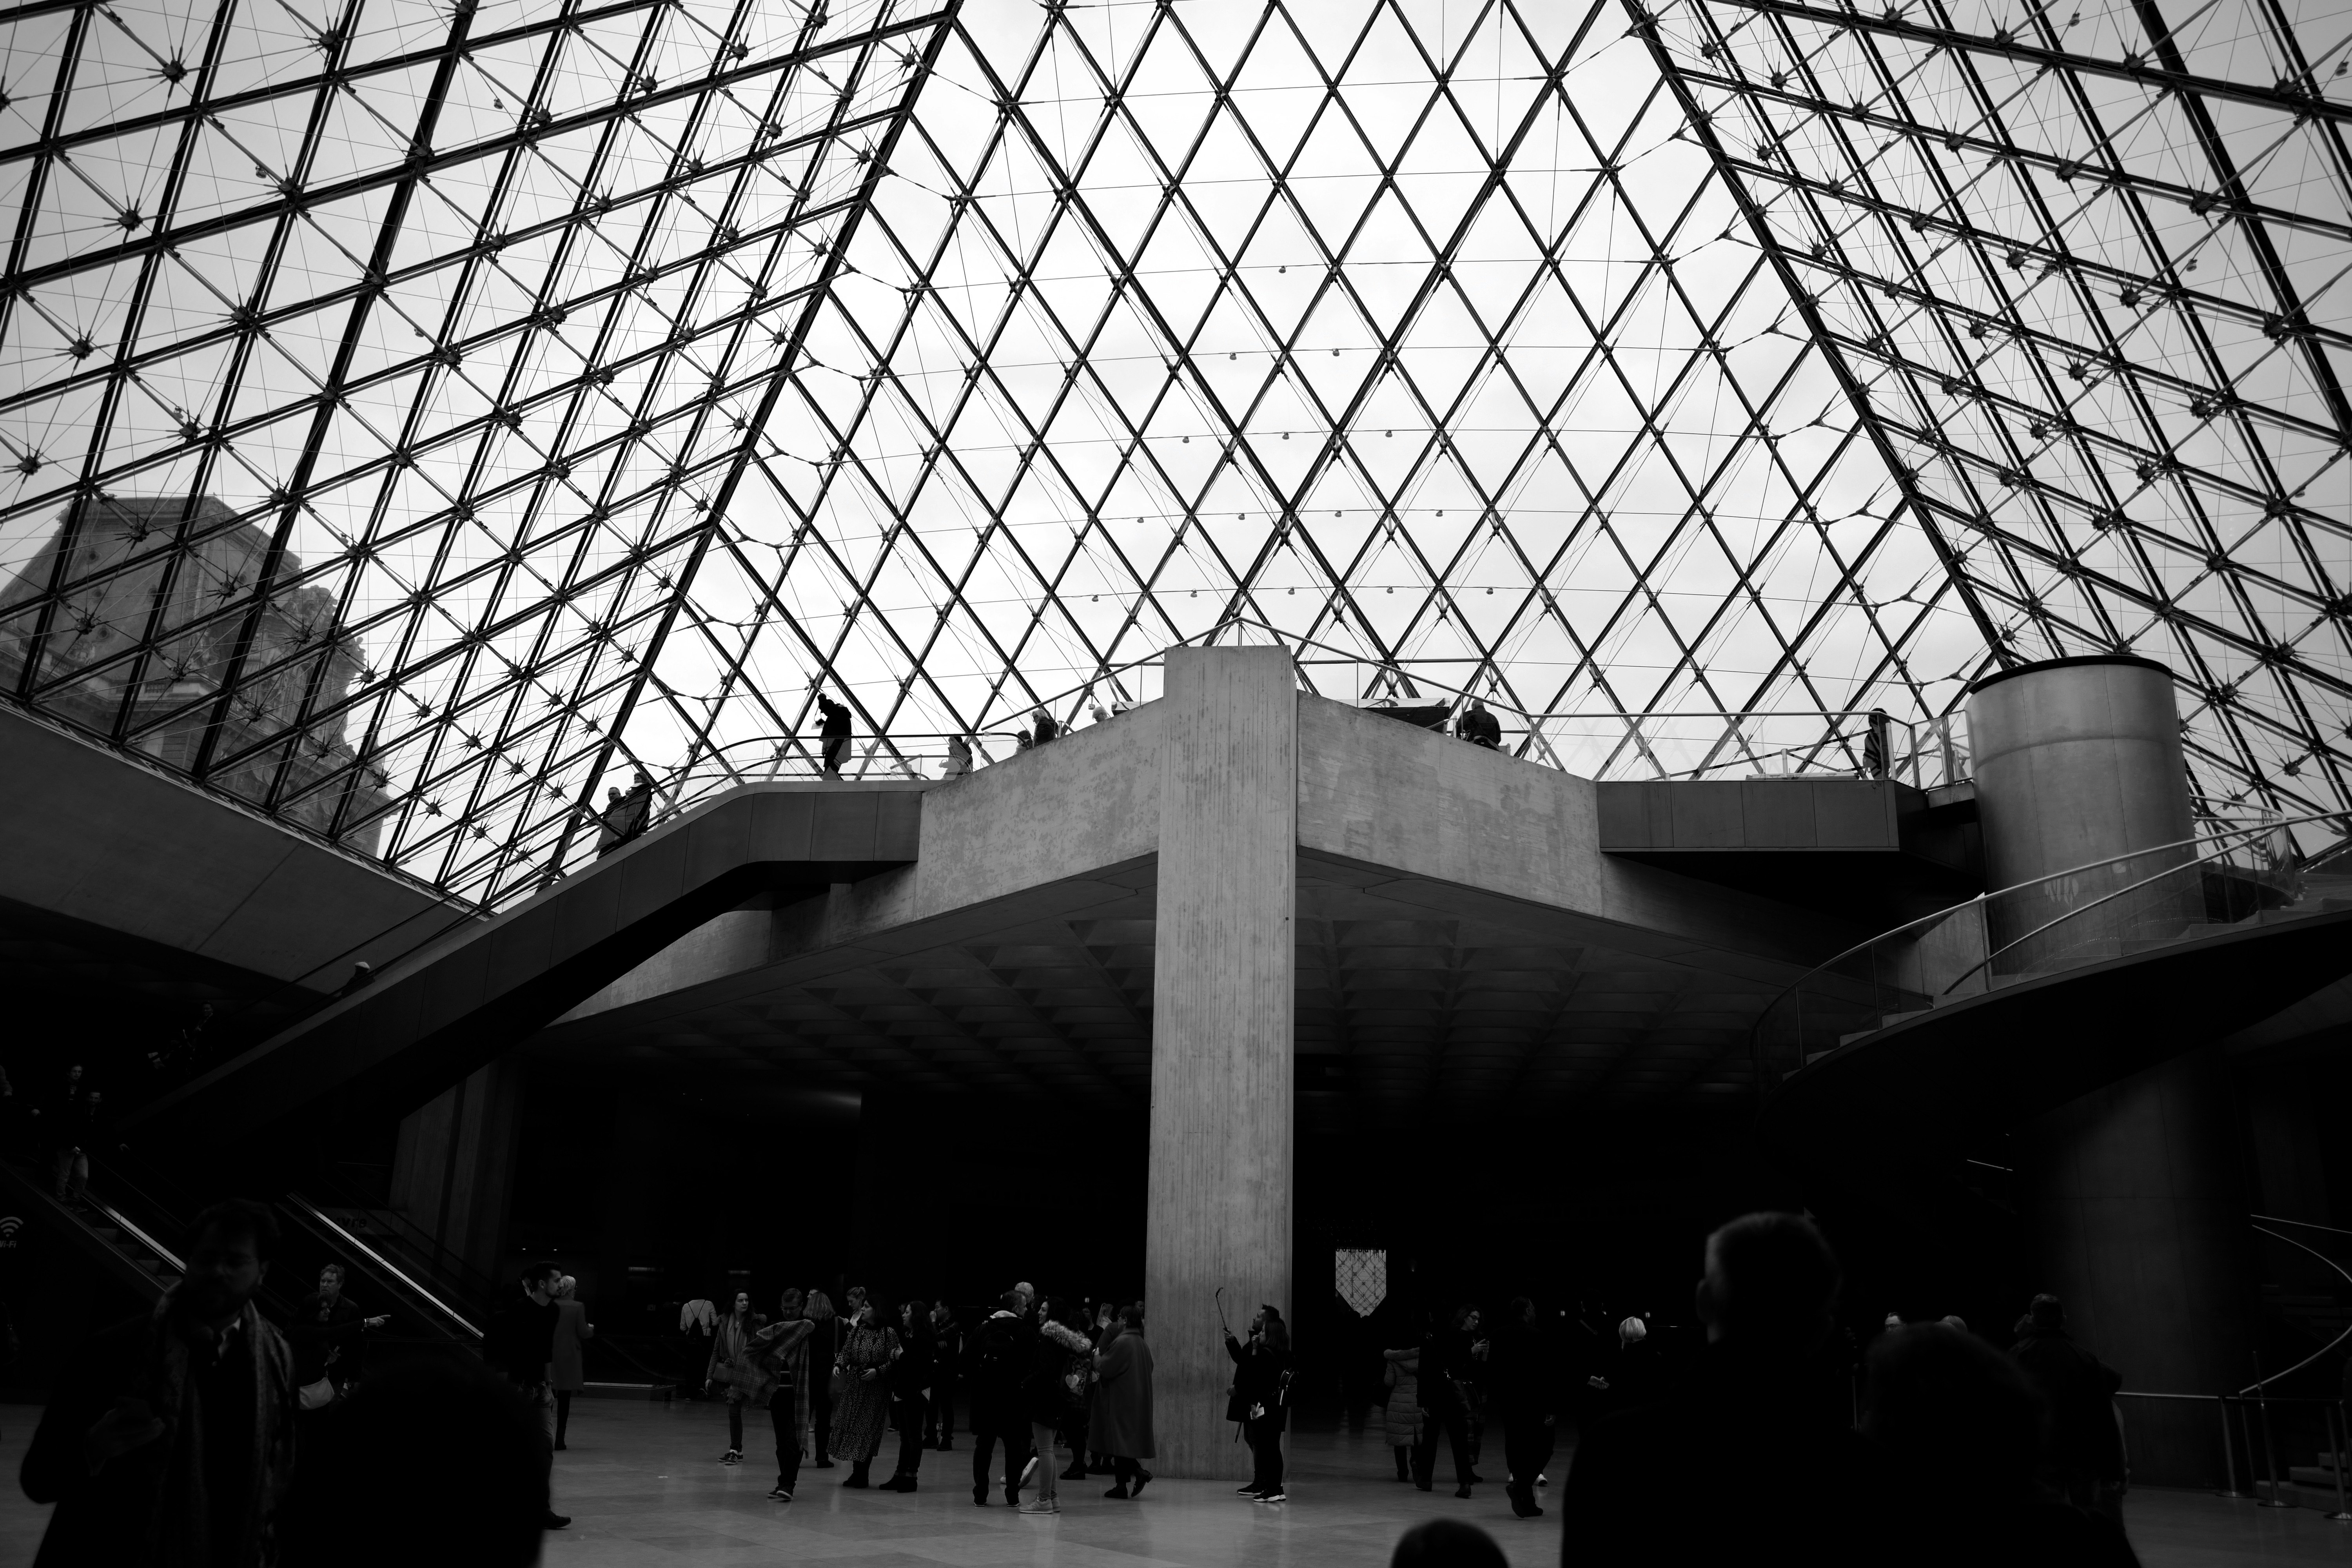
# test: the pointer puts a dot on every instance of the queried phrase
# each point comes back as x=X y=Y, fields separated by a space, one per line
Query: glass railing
x=2111 y=909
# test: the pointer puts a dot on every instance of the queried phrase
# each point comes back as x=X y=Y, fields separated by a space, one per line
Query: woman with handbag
x=733 y=1370
x=1259 y=1400
x=861 y=1399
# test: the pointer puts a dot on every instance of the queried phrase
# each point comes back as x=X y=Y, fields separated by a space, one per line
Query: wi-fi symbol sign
x=9 y=1225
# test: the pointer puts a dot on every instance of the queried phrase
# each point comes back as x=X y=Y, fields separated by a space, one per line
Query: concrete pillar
x=453 y=1174
x=2134 y=1194
x=1218 y=1206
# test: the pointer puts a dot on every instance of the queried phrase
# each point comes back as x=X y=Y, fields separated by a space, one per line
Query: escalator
x=131 y=1217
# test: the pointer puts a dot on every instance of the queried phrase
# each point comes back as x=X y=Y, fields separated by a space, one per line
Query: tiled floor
x=643 y=1487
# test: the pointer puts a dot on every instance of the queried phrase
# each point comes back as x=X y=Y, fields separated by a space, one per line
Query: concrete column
x=2134 y=1194
x=453 y=1174
x=1218 y=1205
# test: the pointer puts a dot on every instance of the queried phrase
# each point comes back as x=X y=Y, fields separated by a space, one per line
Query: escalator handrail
x=440 y=1258
x=135 y=1233
x=314 y=1215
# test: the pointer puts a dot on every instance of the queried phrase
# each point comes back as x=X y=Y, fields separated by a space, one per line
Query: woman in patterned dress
x=861 y=1406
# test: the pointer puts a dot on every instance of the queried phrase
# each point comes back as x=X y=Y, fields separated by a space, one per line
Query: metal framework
x=2085 y=268
x=415 y=416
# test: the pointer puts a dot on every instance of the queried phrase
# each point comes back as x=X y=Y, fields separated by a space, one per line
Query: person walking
x=1520 y=1370
x=2087 y=1449
x=784 y=1354
x=77 y=1126
x=1061 y=1368
x=568 y=1360
x=910 y=1379
x=997 y=1360
x=169 y=1439
x=733 y=1372
x=1403 y=1421
x=824 y=1349
x=1878 y=745
x=1120 y=1418
x=947 y=1364
x=861 y=1399
x=832 y=733
x=1261 y=1390
x=1447 y=1367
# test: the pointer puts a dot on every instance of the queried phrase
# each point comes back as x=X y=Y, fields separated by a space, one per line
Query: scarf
x=181 y=1528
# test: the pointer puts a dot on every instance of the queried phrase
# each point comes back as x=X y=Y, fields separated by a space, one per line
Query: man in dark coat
x=1526 y=1390
x=2087 y=1449
x=834 y=733
x=947 y=1337
x=328 y=1332
x=1786 y=1485
x=998 y=1359
x=1120 y=1419
x=1479 y=727
x=171 y=1437
x=520 y=1345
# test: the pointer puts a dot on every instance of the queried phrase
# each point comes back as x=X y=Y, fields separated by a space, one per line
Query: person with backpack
x=997 y=1362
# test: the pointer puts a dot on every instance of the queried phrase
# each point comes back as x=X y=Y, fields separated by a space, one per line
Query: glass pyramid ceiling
x=418 y=419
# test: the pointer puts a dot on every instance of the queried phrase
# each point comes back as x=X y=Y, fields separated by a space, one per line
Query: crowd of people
x=199 y=1433
x=1474 y=723
x=836 y=1382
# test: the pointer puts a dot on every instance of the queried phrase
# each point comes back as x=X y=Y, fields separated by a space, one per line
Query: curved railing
x=2132 y=903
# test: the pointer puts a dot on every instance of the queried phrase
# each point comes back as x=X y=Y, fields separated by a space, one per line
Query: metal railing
x=382 y=1266
x=2086 y=915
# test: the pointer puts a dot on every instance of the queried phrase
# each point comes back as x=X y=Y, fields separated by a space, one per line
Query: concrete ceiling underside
x=1415 y=999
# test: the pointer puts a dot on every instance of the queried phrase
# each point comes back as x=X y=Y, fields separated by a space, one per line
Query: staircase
x=2320 y=895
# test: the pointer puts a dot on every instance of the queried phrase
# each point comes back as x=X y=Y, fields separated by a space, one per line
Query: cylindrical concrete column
x=2077 y=761
x=2134 y=1195
x=1218 y=1206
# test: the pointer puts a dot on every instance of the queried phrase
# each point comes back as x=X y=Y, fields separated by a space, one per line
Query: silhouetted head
x=2047 y=1312
x=1770 y=1284
x=1948 y=1412
x=539 y=1279
x=228 y=1249
x=1447 y=1543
